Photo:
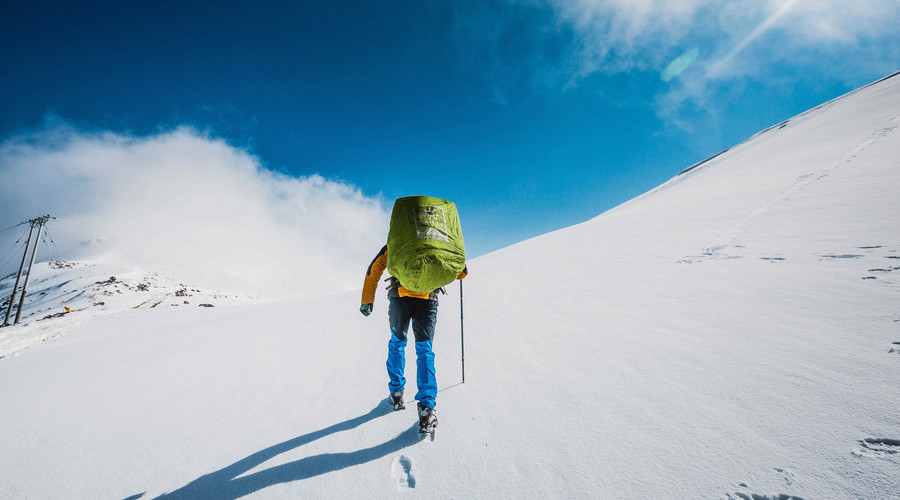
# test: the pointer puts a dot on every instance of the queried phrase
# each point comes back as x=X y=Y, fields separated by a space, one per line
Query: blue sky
x=530 y=115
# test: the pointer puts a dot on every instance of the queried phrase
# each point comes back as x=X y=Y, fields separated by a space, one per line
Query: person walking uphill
x=405 y=306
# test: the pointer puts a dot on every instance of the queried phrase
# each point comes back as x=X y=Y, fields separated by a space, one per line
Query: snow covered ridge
x=787 y=122
x=63 y=294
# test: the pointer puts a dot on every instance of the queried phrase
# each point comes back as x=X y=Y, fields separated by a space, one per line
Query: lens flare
x=680 y=64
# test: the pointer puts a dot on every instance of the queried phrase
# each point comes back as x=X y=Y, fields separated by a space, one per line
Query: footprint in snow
x=401 y=469
x=787 y=475
x=749 y=495
x=878 y=447
x=738 y=495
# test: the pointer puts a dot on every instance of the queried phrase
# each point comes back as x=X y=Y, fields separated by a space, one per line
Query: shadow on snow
x=225 y=483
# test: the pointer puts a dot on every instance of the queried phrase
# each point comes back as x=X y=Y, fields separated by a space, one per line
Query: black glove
x=365 y=309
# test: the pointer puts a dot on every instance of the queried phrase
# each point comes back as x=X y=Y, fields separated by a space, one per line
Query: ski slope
x=732 y=333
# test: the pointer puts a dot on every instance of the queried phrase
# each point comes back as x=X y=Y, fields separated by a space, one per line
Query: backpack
x=425 y=243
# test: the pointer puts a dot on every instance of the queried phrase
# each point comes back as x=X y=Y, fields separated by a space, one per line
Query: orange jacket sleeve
x=373 y=274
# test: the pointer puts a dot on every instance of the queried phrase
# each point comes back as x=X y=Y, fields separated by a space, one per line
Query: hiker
x=406 y=305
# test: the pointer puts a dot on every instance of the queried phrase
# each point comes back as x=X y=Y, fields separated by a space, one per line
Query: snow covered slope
x=62 y=294
x=730 y=334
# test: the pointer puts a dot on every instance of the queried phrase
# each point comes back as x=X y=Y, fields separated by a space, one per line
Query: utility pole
x=37 y=241
x=12 y=299
x=39 y=222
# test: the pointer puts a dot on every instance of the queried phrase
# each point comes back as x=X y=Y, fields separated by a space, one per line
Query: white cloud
x=192 y=206
x=737 y=39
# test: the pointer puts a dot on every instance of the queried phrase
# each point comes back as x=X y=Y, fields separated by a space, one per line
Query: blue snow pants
x=423 y=314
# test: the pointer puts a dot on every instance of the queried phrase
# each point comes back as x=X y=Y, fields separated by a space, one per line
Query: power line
x=58 y=252
x=76 y=226
x=74 y=231
x=47 y=245
x=8 y=253
x=11 y=227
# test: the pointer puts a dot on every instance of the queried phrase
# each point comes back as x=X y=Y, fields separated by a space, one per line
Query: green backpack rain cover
x=425 y=243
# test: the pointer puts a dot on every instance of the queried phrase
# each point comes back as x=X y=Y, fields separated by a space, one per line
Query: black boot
x=427 y=419
x=396 y=400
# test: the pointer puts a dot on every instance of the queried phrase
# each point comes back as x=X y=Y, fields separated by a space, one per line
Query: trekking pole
x=462 y=339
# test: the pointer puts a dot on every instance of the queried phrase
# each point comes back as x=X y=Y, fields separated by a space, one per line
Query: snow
x=89 y=289
x=731 y=334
